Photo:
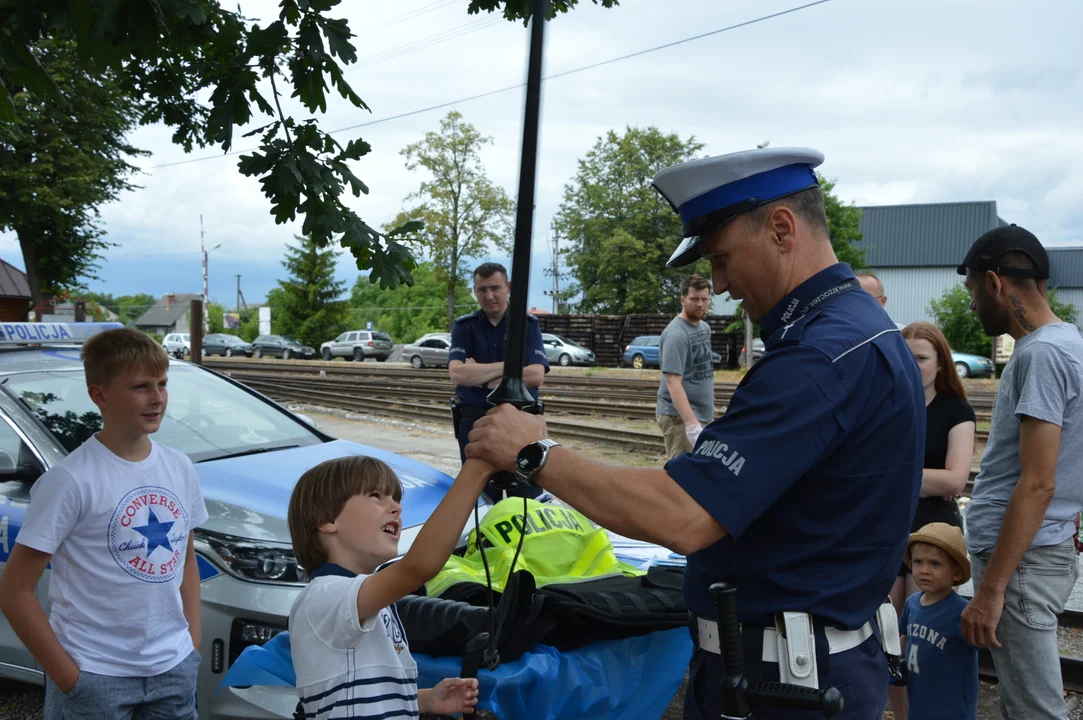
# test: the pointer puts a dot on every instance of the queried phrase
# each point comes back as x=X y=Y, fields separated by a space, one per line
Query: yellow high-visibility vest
x=560 y=545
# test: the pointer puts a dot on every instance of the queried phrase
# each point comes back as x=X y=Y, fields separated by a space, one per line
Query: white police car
x=248 y=452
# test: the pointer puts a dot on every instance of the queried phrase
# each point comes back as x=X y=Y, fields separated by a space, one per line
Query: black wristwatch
x=531 y=459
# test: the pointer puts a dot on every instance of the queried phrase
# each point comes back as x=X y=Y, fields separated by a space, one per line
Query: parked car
x=282 y=346
x=248 y=453
x=428 y=350
x=972 y=366
x=358 y=345
x=642 y=352
x=562 y=351
x=226 y=344
x=176 y=344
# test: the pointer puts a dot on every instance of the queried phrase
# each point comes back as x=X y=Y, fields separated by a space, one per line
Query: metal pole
x=195 y=332
x=511 y=389
x=203 y=249
x=749 y=339
x=238 y=309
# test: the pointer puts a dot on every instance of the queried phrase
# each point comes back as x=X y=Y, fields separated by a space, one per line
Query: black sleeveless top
x=941 y=415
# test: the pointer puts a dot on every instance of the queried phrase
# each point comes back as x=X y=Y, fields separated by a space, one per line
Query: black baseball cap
x=986 y=252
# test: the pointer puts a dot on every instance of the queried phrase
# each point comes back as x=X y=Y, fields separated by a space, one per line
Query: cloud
x=926 y=101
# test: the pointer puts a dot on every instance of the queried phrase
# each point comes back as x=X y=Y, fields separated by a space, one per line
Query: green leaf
x=355 y=150
x=338 y=37
x=269 y=41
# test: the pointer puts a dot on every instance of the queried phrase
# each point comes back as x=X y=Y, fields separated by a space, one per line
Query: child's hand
x=455 y=695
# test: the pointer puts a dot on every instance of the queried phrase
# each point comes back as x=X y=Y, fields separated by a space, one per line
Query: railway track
x=561 y=394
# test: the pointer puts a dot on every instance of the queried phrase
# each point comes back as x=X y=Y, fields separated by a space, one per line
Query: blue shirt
x=942 y=667
x=473 y=336
x=815 y=468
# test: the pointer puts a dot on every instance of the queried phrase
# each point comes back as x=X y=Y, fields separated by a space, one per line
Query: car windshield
x=288 y=339
x=573 y=343
x=207 y=416
x=232 y=340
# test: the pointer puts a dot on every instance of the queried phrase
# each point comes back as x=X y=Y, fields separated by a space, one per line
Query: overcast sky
x=916 y=101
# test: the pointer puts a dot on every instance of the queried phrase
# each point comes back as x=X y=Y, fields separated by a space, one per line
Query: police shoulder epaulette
x=467 y=316
x=788 y=334
x=529 y=316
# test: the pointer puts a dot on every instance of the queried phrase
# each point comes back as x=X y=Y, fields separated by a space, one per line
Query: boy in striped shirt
x=349 y=649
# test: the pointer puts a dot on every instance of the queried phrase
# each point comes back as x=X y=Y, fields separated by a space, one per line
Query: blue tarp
x=628 y=679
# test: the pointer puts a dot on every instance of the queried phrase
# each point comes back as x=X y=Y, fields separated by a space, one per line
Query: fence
x=607 y=335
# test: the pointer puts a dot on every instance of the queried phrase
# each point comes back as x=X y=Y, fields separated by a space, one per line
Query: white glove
x=692 y=433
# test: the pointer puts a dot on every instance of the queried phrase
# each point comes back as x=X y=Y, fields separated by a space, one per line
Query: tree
x=307 y=305
x=407 y=313
x=842 y=226
x=952 y=314
x=202 y=70
x=128 y=308
x=63 y=157
x=618 y=231
x=463 y=213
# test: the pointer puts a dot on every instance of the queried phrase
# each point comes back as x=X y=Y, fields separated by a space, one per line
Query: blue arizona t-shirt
x=943 y=667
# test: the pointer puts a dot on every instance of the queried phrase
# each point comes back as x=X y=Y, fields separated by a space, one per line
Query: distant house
x=169 y=314
x=14 y=294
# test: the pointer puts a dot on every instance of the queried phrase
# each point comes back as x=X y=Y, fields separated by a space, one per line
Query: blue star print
x=156 y=533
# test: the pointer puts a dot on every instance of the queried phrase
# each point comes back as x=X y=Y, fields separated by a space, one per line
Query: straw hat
x=946 y=537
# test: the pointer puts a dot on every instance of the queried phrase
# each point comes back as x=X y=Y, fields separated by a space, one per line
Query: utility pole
x=749 y=339
x=203 y=252
x=554 y=249
x=238 y=295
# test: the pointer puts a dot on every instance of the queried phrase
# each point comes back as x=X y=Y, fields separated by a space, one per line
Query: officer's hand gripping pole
x=738 y=696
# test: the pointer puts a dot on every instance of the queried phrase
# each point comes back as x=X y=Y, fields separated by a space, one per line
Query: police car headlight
x=252 y=560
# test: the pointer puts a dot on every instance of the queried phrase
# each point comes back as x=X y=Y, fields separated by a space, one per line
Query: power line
x=426 y=42
x=519 y=85
x=406 y=16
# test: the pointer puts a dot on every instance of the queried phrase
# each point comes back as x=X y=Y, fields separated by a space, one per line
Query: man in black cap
x=1020 y=520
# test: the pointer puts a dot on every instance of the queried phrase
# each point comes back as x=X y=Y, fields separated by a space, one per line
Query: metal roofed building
x=915 y=250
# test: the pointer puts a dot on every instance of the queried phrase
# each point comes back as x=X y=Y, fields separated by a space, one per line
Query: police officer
x=476 y=360
x=801 y=495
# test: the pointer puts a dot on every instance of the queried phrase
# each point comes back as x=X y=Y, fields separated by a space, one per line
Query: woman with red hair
x=949 y=439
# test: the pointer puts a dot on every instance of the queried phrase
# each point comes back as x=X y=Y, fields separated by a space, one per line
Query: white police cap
x=709 y=192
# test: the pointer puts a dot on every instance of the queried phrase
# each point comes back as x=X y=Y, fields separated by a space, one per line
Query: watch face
x=528 y=458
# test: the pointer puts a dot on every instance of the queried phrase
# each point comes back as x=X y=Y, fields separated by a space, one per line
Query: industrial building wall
x=908 y=292
x=1075 y=297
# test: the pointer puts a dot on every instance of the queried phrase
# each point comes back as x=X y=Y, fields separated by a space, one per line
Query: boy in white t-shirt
x=115 y=519
x=349 y=648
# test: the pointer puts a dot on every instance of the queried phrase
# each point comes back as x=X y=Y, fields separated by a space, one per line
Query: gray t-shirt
x=685 y=350
x=1043 y=380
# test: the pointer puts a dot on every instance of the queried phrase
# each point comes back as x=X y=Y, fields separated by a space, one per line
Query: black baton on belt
x=738 y=696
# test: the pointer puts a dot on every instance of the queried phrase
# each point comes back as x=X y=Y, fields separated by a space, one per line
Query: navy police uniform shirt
x=473 y=336
x=815 y=468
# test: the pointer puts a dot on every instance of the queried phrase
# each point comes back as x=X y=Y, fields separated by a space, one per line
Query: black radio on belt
x=739 y=696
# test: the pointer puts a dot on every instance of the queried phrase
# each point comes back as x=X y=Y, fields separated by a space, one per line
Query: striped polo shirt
x=349 y=667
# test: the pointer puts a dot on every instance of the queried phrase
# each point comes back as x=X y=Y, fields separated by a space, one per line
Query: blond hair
x=111 y=353
x=322 y=492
